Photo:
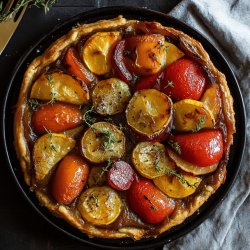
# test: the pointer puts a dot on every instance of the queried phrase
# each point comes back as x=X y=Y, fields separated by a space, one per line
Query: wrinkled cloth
x=226 y=23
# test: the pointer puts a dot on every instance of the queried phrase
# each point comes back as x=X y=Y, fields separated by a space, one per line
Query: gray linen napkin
x=226 y=23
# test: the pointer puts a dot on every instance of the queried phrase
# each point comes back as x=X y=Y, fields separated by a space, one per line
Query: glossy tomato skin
x=118 y=63
x=69 y=179
x=56 y=117
x=204 y=148
x=184 y=79
x=149 y=82
x=120 y=176
x=76 y=67
x=148 y=202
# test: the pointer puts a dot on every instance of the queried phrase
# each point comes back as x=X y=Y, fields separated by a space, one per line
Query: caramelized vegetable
x=69 y=179
x=173 y=187
x=184 y=79
x=120 y=175
x=48 y=150
x=110 y=96
x=189 y=167
x=59 y=87
x=97 y=51
x=56 y=118
x=212 y=99
x=173 y=53
x=150 y=159
x=204 y=148
x=149 y=112
x=191 y=115
x=118 y=62
x=100 y=205
x=102 y=142
x=151 y=205
x=146 y=54
x=75 y=67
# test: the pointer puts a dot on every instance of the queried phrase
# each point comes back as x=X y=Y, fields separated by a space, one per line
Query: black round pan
x=139 y=14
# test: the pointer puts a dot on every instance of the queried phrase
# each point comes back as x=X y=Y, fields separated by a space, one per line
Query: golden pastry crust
x=193 y=49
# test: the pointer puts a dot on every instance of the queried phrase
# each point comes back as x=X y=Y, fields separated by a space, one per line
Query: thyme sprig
x=51 y=145
x=89 y=120
x=170 y=84
x=108 y=140
x=181 y=178
x=175 y=146
x=199 y=124
x=45 y=4
x=103 y=171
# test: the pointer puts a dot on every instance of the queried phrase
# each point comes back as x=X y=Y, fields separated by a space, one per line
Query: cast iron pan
x=139 y=14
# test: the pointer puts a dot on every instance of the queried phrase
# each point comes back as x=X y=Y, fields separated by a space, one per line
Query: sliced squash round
x=175 y=188
x=97 y=51
x=103 y=141
x=58 y=86
x=191 y=115
x=189 y=167
x=100 y=205
x=110 y=96
x=211 y=98
x=149 y=112
x=150 y=159
x=48 y=150
x=173 y=53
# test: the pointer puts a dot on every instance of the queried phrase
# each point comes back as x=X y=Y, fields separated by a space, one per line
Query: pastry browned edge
x=193 y=49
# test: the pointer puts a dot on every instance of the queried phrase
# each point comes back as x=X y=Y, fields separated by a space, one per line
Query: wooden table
x=21 y=227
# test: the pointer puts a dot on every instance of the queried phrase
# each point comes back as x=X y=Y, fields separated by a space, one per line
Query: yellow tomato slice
x=97 y=51
x=100 y=205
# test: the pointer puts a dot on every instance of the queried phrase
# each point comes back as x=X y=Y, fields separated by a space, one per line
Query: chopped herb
x=153 y=207
x=126 y=52
x=108 y=119
x=95 y=199
x=199 y=124
x=108 y=140
x=51 y=145
x=170 y=84
x=157 y=162
x=89 y=120
x=121 y=127
x=103 y=170
x=181 y=178
x=175 y=146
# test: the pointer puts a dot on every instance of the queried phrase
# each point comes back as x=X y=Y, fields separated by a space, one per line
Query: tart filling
x=123 y=128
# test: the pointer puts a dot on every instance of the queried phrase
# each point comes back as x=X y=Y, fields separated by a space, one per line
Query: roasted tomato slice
x=151 y=205
x=184 y=79
x=75 y=67
x=118 y=64
x=203 y=148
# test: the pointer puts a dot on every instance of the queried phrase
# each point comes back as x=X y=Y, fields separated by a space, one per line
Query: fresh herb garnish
x=89 y=120
x=199 y=124
x=108 y=140
x=170 y=84
x=157 y=162
x=181 y=178
x=103 y=171
x=51 y=145
x=45 y=4
x=175 y=146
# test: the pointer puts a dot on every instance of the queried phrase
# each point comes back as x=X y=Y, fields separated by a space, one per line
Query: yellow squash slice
x=211 y=98
x=173 y=53
x=149 y=112
x=150 y=159
x=58 y=86
x=48 y=150
x=191 y=115
x=97 y=51
x=110 y=96
x=189 y=167
x=100 y=205
x=173 y=187
x=103 y=141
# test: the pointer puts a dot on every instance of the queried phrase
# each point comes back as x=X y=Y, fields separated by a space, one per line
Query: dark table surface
x=21 y=227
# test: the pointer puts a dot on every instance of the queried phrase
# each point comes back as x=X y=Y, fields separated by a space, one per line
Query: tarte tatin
x=123 y=128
